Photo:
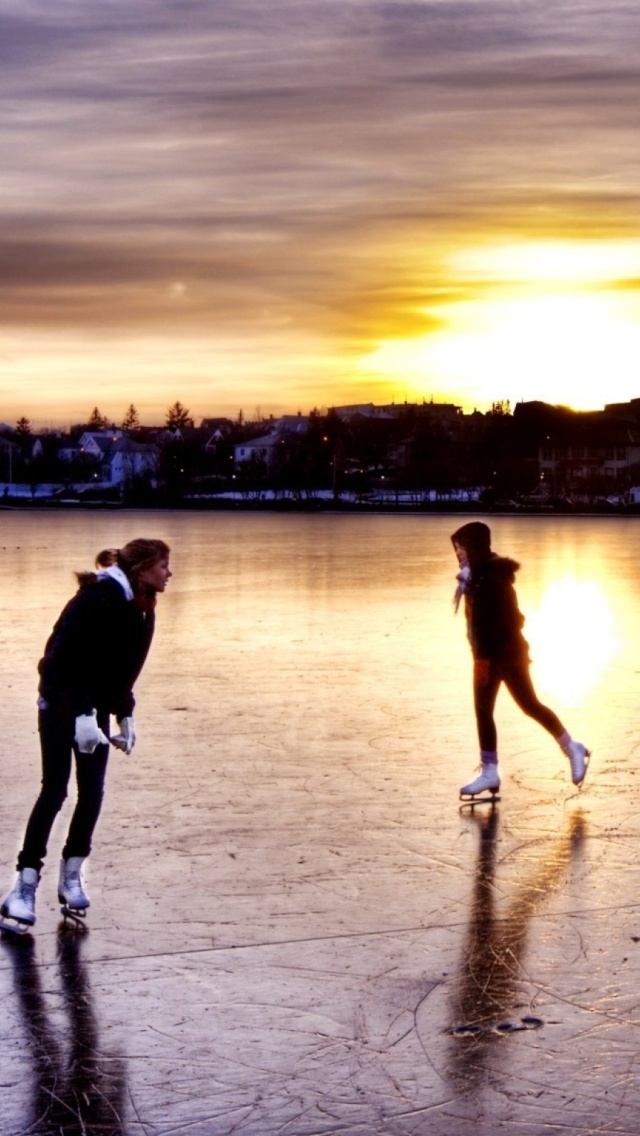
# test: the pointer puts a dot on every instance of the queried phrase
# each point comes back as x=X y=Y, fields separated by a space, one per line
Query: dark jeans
x=56 y=741
x=515 y=676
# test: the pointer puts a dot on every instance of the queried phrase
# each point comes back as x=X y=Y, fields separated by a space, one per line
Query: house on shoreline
x=426 y=452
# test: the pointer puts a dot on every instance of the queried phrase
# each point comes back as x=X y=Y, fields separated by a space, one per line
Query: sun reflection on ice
x=572 y=638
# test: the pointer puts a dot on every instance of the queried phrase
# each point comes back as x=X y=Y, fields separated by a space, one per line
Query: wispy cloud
x=210 y=170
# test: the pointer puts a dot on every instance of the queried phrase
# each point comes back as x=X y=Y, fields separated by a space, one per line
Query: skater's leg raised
x=517 y=679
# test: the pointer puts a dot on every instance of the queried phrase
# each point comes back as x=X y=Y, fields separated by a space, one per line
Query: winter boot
x=487 y=782
x=18 y=909
x=71 y=893
x=579 y=759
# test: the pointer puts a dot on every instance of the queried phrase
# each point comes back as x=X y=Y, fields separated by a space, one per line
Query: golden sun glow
x=571 y=653
x=569 y=262
x=554 y=321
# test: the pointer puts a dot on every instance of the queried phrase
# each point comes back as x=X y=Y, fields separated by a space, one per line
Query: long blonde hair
x=136 y=556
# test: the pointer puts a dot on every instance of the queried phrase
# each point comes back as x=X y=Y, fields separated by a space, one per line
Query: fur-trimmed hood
x=494 y=621
x=502 y=567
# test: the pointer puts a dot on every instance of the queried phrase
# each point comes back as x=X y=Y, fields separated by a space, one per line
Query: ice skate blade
x=470 y=800
x=76 y=916
x=14 y=926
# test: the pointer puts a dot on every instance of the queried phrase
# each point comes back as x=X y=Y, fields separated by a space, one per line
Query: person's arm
x=131 y=660
x=484 y=628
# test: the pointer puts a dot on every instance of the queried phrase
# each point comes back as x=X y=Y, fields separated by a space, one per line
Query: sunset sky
x=275 y=205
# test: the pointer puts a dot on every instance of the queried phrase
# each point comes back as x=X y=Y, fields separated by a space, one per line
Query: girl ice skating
x=90 y=664
x=500 y=654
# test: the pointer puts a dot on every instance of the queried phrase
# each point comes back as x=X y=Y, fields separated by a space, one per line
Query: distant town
x=423 y=455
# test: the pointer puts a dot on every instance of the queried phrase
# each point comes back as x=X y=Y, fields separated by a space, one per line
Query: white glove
x=126 y=739
x=88 y=735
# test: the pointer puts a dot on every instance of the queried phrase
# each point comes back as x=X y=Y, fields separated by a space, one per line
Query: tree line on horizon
x=418 y=450
x=177 y=416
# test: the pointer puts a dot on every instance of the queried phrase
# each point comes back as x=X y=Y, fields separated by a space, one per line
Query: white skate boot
x=485 y=787
x=579 y=760
x=71 y=893
x=18 y=909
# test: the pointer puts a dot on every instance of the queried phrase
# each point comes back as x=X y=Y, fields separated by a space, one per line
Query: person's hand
x=88 y=735
x=126 y=739
x=481 y=671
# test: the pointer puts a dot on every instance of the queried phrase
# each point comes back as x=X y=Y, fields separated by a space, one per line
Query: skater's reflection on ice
x=78 y=1090
x=490 y=998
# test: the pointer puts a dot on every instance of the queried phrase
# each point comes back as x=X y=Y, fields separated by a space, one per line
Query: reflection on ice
x=77 y=1089
x=312 y=915
x=489 y=999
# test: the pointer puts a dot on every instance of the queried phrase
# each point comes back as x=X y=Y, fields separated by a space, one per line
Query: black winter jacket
x=494 y=620
x=96 y=651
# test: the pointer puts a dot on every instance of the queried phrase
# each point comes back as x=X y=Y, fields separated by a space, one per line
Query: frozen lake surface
x=293 y=929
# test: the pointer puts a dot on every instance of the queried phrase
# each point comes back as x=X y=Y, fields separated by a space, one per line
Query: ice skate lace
x=480 y=772
x=74 y=889
x=477 y=772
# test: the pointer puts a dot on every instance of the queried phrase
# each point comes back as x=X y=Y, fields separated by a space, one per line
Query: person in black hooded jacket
x=500 y=653
x=91 y=661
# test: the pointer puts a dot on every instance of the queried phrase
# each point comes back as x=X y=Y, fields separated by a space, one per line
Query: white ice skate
x=484 y=788
x=18 y=909
x=579 y=760
x=71 y=894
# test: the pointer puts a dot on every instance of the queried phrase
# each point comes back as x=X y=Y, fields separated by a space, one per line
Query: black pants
x=58 y=748
x=517 y=679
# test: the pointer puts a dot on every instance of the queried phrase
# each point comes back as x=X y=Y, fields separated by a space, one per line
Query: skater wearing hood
x=500 y=653
x=91 y=661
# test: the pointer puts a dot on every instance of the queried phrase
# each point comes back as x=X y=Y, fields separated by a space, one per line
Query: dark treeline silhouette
x=422 y=455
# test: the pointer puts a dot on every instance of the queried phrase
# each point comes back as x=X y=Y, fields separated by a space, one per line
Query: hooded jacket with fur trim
x=494 y=620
